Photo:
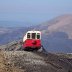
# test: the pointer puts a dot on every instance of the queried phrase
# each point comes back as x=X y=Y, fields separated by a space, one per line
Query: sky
x=35 y=11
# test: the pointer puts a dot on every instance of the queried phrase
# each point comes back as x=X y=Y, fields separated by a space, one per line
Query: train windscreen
x=28 y=35
x=38 y=35
x=33 y=35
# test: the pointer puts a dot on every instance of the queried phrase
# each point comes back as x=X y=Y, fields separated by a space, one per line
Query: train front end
x=32 y=40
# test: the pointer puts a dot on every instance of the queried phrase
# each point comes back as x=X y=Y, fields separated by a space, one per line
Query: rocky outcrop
x=38 y=62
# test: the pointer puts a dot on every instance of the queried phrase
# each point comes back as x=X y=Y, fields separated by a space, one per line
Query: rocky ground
x=22 y=61
x=13 y=60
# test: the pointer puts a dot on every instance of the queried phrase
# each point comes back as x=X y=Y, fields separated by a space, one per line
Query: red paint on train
x=32 y=43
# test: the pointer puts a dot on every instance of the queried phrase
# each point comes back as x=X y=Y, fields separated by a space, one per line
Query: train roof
x=34 y=32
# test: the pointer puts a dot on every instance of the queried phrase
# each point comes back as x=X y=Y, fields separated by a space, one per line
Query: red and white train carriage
x=32 y=40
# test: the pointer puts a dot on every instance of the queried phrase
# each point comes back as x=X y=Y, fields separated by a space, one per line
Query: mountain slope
x=24 y=61
x=59 y=23
x=10 y=34
x=57 y=35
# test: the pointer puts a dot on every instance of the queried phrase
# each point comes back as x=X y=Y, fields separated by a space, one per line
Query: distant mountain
x=15 y=24
x=57 y=34
x=12 y=33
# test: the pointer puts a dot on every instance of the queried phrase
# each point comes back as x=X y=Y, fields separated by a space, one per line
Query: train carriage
x=32 y=40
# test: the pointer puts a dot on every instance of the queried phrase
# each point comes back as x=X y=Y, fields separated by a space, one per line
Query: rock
x=6 y=66
x=37 y=62
x=13 y=46
x=12 y=59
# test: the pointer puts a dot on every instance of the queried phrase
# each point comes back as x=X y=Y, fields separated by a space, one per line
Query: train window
x=38 y=36
x=28 y=35
x=33 y=35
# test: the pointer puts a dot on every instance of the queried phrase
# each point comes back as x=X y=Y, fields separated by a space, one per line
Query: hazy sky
x=33 y=10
